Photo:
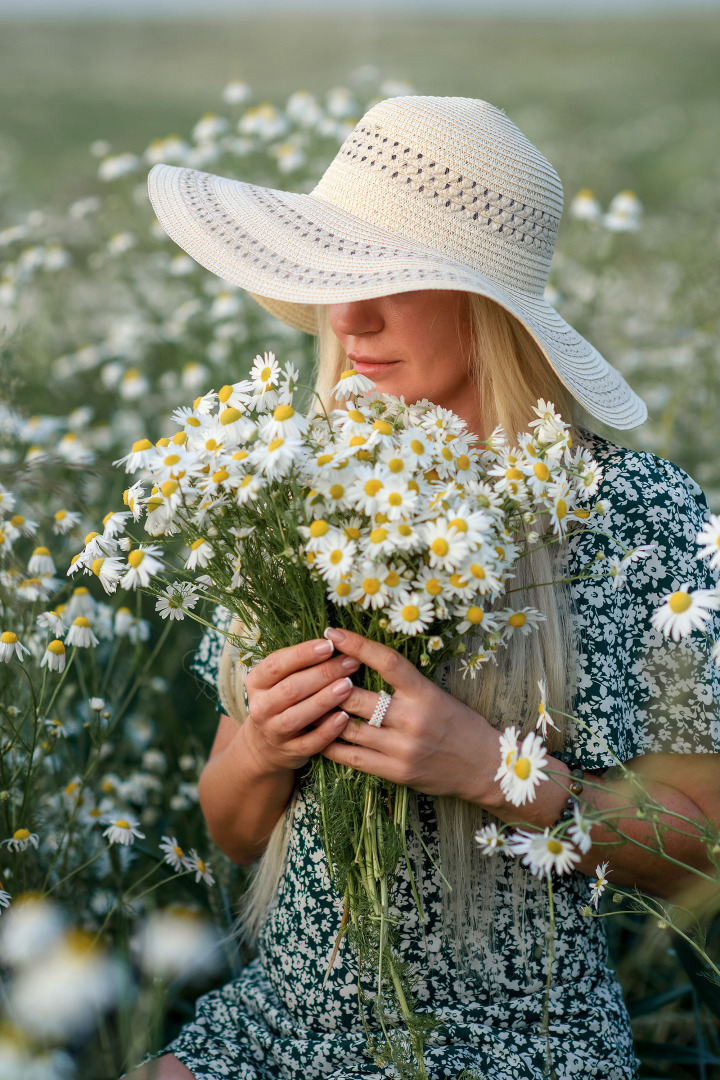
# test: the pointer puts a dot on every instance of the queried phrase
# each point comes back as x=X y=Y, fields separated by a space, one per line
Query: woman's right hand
x=295 y=700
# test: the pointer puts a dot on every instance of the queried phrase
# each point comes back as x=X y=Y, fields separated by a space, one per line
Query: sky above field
x=153 y=8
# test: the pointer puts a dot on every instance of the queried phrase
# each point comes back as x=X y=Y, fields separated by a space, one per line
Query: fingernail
x=341 y=687
x=334 y=635
x=342 y=715
x=350 y=664
x=324 y=648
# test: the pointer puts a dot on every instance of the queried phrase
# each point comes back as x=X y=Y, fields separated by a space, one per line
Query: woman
x=421 y=259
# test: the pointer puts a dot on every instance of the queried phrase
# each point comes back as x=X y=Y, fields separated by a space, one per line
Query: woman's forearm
x=635 y=861
x=241 y=800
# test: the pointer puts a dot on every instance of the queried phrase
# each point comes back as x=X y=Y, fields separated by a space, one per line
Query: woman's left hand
x=428 y=740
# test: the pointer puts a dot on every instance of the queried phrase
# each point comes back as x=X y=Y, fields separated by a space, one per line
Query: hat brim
x=292 y=252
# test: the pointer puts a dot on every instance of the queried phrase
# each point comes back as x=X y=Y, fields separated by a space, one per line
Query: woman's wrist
x=550 y=798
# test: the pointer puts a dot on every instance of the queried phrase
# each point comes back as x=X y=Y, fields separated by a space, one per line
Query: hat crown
x=457 y=176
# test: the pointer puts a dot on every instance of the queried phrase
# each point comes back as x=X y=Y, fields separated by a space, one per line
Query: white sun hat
x=425 y=193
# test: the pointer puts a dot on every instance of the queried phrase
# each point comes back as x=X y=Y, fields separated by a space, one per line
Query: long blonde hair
x=509 y=373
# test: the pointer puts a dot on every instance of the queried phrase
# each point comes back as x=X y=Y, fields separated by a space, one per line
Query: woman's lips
x=368 y=365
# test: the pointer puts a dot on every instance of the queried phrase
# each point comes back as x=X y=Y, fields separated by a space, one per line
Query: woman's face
x=414 y=344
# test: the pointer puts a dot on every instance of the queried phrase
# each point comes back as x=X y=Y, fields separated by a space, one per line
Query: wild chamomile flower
x=543 y=852
x=590 y=473
x=446 y=545
x=684 y=611
x=54 y=656
x=21 y=840
x=5 y=898
x=543 y=720
x=81 y=633
x=275 y=458
x=109 y=571
x=490 y=841
x=265 y=375
x=709 y=535
x=369 y=588
x=50 y=620
x=335 y=555
x=521 y=766
x=339 y=592
x=617 y=572
x=201 y=553
x=41 y=563
x=140 y=456
x=81 y=603
x=522 y=621
x=411 y=614
x=173 y=854
x=200 y=868
x=352 y=383
x=176 y=600
x=549 y=425
x=397 y=499
x=474 y=618
x=10 y=644
x=122 y=831
x=579 y=830
x=598 y=886
x=143 y=562
x=285 y=421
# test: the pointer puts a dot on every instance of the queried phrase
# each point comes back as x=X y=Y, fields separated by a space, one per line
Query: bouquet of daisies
x=388 y=519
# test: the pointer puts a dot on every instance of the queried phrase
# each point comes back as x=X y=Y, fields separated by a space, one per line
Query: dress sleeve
x=638 y=692
x=206 y=660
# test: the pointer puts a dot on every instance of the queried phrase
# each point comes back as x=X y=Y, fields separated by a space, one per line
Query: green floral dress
x=639 y=694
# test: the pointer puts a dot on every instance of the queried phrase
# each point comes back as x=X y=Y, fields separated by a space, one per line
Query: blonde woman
x=420 y=260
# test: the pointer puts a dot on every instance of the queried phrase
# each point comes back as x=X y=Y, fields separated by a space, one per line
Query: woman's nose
x=356 y=317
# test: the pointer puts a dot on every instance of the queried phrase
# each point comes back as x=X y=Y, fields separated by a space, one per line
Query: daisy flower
x=275 y=459
x=10 y=644
x=81 y=603
x=417 y=448
x=114 y=522
x=447 y=547
x=590 y=473
x=140 y=456
x=411 y=614
x=174 y=854
x=236 y=395
x=285 y=421
x=265 y=375
x=81 y=633
x=617 y=572
x=5 y=898
x=549 y=425
x=543 y=852
x=21 y=840
x=490 y=841
x=579 y=830
x=109 y=571
x=335 y=556
x=369 y=589
x=684 y=611
x=340 y=592
x=200 y=868
x=523 y=621
x=176 y=600
x=352 y=383
x=54 y=656
x=366 y=487
x=543 y=719
x=396 y=499
x=521 y=767
x=143 y=563
x=709 y=535
x=122 y=831
x=40 y=563
x=598 y=886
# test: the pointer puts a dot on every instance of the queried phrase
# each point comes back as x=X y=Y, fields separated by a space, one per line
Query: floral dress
x=638 y=694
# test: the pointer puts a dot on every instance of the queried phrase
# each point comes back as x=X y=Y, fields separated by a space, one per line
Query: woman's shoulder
x=646 y=492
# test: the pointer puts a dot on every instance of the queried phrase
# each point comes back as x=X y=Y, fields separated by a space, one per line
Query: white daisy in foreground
x=140 y=456
x=177 y=599
x=351 y=383
x=709 y=535
x=542 y=852
x=490 y=841
x=143 y=562
x=200 y=868
x=123 y=831
x=598 y=886
x=521 y=767
x=10 y=644
x=21 y=840
x=81 y=633
x=579 y=831
x=200 y=555
x=411 y=614
x=173 y=854
x=684 y=611
x=523 y=621
x=54 y=656
x=543 y=719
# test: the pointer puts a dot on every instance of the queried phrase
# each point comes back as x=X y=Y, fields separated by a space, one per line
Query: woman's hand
x=428 y=740
x=295 y=697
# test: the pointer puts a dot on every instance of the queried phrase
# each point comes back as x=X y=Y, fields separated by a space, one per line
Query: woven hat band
x=492 y=202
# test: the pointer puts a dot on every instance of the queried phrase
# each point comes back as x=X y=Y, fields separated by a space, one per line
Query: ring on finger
x=383 y=704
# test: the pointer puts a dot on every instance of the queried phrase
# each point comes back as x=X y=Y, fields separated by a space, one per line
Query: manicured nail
x=341 y=687
x=350 y=664
x=334 y=635
x=324 y=648
x=342 y=716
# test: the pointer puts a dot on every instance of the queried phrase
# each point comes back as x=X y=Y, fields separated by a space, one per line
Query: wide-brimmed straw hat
x=425 y=193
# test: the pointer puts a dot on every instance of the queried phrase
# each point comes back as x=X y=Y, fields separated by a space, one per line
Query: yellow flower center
x=179 y=438
x=370 y=585
x=336 y=556
x=265 y=374
x=383 y=427
x=474 y=615
x=554 y=847
x=522 y=768
x=135 y=558
x=433 y=586
x=410 y=613
x=324 y=459
x=513 y=474
x=561 y=509
x=517 y=619
x=460 y=524
x=679 y=602
x=541 y=471
x=356 y=416
x=348 y=374
x=392 y=580
x=60 y=514
x=178 y=851
x=56 y=648
x=8 y=638
x=197 y=543
x=90 y=536
x=463 y=462
x=395 y=498
x=352 y=532
x=21 y=834
x=440 y=546
x=41 y=551
x=229 y=416
x=275 y=445
x=404 y=530
x=81 y=621
x=371 y=487
x=141 y=444
x=96 y=566
x=342 y=588
x=378 y=535
x=417 y=447
x=396 y=465
x=122 y=824
x=192 y=421
x=319 y=528
x=169 y=488
x=220 y=475
x=283 y=412
x=224 y=393
x=358 y=440
x=337 y=491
